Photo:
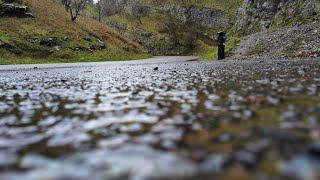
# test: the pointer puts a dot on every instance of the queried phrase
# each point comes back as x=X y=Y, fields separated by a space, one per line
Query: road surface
x=163 y=118
x=155 y=60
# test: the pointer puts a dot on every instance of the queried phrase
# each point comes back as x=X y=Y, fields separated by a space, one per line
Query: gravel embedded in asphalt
x=186 y=119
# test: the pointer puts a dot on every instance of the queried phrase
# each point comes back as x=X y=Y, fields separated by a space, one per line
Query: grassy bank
x=80 y=58
x=52 y=37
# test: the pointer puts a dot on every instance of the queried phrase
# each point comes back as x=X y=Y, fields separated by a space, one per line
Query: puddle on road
x=186 y=120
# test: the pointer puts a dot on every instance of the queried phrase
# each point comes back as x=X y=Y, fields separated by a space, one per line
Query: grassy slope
x=52 y=21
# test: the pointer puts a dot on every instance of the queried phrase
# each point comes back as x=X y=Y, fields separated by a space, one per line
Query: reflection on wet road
x=248 y=119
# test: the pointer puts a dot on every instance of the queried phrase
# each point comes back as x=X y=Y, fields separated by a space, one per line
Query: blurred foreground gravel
x=170 y=120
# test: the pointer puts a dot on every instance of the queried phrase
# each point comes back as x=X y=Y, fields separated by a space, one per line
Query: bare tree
x=181 y=34
x=140 y=11
x=65 y=2
x=74 y=7
x=99 y=8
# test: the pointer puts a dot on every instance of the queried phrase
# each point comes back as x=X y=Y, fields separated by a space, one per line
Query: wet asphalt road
x=155 y=60
x=170 y=117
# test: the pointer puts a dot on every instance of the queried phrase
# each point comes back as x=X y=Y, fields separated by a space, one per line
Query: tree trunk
x=99 y=15
x=79 y=6
x=71 y=14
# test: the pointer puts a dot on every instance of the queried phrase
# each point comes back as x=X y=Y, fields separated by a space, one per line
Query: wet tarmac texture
x=179 y=120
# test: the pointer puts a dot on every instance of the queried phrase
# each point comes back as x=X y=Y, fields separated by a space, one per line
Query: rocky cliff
x=203 y=16
x=285 y=28
x=258 y=15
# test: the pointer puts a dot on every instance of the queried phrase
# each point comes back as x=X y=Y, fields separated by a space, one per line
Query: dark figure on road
x=221 y=44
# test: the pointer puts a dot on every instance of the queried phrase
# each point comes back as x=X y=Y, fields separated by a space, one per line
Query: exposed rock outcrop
x=7 y=9
x=57 y=42
x=203 y=16
x=257 y=15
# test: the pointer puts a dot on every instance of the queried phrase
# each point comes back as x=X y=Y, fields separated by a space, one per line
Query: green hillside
x=52 y=37
x=190 y=31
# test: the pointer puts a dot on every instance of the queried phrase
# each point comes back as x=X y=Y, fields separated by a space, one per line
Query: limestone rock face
x=204 y=16
x=259 y=14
